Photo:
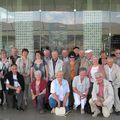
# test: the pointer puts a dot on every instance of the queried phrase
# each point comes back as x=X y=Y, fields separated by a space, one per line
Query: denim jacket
x=55 y=87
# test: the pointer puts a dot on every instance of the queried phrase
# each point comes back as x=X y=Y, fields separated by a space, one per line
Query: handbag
x=60 y=111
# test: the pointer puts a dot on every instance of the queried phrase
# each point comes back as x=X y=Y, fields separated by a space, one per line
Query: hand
x=18 y=89
x=64 y=103
x=44 y=91
x=84 y=95
x=33 y=97
x=80 y=94
x=58 y=104
x=98 y=103
x=1 y=75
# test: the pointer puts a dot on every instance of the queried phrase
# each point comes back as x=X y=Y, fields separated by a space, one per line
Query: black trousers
x=1 y=97
x=15 y=100
x=119 y=92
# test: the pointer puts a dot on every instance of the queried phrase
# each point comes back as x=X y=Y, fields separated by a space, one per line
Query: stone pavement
x=31 y=114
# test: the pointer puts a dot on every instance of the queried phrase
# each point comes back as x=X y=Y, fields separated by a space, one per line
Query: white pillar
x=92 y=30
x=0 y=30
x=24 y=31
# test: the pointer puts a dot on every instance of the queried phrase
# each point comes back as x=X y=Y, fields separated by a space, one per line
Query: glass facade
x=58 y=24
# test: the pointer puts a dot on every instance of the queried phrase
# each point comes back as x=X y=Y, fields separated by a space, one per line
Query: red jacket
x=42 y=86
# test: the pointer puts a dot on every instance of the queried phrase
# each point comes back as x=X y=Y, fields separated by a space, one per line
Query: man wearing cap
x=89 y=55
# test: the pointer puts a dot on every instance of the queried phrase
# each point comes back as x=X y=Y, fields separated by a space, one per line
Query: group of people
x=73 y=80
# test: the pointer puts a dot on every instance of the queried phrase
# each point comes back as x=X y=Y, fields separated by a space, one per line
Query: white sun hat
x=88 y=51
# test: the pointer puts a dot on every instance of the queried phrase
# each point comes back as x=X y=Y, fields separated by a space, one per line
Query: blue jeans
x=53 y=104
x=40 y=102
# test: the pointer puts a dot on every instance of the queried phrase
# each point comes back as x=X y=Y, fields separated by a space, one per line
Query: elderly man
x=89 y=55
x=112 y=72
x=59 y=92
x=102 y=96
x=14 y=55
x=55 y=65
x=65 y=55
x=14 y=88
x=80 y=89
x=46 y=55
x=83 y=60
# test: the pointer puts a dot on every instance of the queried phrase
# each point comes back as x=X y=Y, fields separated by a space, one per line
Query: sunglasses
x=72 y=57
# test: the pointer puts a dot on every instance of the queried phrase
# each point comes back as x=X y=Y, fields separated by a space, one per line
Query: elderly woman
x=4 y=68
x=80 y=89
x=103 y=58
x=59 y=92
x=38 y=91
x=39 y=64
x=96 y=67
x=24 y=64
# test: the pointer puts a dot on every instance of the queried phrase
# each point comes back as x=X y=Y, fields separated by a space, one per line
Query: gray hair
x=38 y=72
x=82 y=69
x=98 y=74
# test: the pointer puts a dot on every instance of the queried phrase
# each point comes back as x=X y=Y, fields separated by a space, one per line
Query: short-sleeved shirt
x=81 y=86
x=110 y=74
x=93 y=71
x=60 y=90
x=16 y=83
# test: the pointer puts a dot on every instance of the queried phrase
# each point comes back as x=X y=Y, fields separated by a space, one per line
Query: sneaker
x=96 y=113
x=53 y=111
x=82 y=111
x=42 y=111
x=20 y=109
x=117 y=113
x=74 y=108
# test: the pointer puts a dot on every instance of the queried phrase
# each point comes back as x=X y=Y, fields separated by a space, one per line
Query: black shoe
x=20 y=109
x=117 y=113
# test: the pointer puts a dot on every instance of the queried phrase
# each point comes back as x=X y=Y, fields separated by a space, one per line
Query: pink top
x=101 y=89
x=100 y=69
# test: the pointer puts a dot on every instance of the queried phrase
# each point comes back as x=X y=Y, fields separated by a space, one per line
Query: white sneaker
x=96 y=113
x=82 y=111
x=53 y=111
x=74 y=108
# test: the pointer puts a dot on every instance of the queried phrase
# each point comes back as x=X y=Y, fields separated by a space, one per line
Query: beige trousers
x=94 y=108
x=116 y=99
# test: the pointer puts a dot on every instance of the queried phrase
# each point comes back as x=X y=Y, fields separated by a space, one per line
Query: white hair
x=38 y=72
x=98 y=74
